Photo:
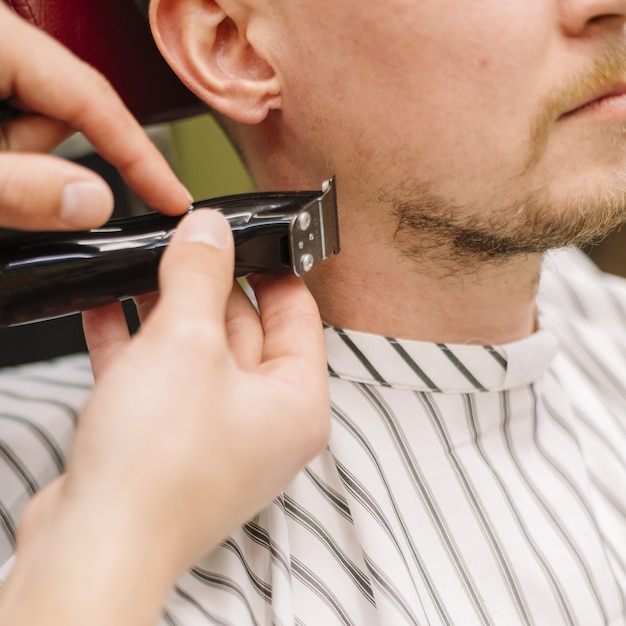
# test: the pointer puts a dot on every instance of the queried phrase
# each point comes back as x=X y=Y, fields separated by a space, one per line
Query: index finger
x=42 y=76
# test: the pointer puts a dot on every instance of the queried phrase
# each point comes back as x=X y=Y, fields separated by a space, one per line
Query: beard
x=522 y=222
x=429 y=226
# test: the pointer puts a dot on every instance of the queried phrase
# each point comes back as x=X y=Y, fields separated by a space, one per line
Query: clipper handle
x=56 y=284
x=46 y=275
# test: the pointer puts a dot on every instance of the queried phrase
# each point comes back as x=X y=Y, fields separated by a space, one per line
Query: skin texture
x=455 y=133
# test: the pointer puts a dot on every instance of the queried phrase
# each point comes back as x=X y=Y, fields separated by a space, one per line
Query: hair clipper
x=46 y=275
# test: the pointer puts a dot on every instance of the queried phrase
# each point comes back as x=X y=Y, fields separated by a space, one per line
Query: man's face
x=467 y=118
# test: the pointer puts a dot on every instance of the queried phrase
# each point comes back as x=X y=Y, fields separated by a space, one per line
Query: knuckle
x=15 y=197
x=195 y=333
x=100 y=83
x=199 y=265
x=240 y=325
x=101 y=91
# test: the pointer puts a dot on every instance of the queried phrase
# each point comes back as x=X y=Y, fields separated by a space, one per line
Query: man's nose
x=578 y=17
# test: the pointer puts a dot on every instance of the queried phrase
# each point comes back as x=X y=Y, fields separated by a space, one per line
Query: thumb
x=197 y=269
x=41 y=192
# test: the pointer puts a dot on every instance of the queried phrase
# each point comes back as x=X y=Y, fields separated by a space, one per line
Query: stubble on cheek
x=609 y=68
x=522 y=215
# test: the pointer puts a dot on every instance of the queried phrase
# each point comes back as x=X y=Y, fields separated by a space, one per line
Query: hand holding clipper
x=46 y=275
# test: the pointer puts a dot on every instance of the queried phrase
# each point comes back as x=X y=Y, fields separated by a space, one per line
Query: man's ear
x=210 y=52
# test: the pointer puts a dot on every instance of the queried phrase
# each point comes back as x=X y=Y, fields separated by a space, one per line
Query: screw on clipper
x=315 y=231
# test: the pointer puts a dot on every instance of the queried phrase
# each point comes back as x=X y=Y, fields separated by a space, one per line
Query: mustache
x=608 y=69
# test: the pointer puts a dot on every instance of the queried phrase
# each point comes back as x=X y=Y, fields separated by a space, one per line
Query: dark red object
x=114 y=37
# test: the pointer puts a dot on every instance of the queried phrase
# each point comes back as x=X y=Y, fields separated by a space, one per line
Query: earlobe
x=209 y=51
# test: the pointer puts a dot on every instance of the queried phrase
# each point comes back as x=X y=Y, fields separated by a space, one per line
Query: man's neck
x=371 y=286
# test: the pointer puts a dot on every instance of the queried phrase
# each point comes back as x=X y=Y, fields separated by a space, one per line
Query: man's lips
x=605 y=96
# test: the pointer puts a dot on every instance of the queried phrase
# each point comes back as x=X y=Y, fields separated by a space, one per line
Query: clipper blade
x=331 y=216
x=315 y=231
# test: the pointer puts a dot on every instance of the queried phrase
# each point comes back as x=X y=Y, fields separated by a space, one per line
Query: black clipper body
x=45 y=275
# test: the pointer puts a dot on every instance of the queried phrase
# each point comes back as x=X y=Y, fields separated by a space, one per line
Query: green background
x=204 y=159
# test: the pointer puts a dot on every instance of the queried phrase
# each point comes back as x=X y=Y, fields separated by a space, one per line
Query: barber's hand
x=57 y=94
x=211 y=409
x=194 y=425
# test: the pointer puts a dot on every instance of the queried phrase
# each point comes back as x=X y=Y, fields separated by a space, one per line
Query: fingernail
x=207 y=227
x=85 y=204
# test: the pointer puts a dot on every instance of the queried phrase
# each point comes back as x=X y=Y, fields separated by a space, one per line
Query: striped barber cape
x=462 y=484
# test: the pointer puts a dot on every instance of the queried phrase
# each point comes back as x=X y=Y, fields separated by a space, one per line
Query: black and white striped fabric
x=462 y=484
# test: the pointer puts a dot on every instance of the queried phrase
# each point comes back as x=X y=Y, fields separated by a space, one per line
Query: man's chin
x=576 y=223
x=474 y=243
